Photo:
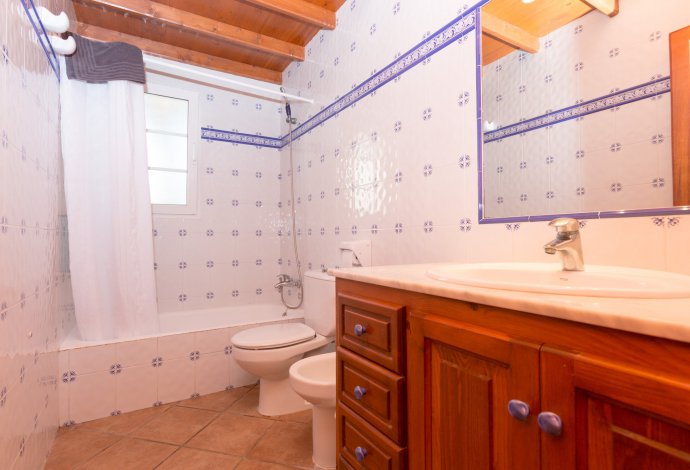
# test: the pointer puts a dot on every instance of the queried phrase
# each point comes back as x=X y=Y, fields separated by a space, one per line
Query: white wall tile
x=137 y=388
x=35 y=298
x=92 y=396
x=211 y=340
x=90 y=359
x=175 y=380
x=136 y=353
x=176 y=346
x=211 y=373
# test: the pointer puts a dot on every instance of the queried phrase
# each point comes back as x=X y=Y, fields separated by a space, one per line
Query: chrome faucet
x=568 y=243
x=284 y=280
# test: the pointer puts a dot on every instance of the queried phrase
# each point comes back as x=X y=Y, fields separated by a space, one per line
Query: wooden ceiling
x=251 y=38
x=508 y=25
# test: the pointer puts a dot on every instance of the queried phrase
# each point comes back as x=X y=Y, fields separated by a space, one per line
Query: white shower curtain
x=108 y=208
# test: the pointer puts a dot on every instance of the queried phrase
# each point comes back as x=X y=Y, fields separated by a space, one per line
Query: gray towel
x=101 y=62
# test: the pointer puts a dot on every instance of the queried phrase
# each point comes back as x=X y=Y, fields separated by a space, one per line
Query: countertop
x=665 y=318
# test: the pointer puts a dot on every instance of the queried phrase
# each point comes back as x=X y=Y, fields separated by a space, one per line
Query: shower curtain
x=108 y=208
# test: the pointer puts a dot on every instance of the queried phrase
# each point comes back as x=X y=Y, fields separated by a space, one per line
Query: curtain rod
x=155 y=65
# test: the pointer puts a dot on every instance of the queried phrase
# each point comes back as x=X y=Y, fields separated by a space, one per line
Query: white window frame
x=193 y=137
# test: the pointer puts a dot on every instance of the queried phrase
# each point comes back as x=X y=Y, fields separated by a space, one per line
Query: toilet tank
x=319 y=302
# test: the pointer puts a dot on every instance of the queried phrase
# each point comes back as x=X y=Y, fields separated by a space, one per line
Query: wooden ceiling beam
x=607 y=7
x=191 y=22
x=180 y=54
x=509 y=33
x=299 y=10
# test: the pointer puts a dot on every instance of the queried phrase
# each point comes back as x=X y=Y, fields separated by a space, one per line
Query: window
x=170 y=136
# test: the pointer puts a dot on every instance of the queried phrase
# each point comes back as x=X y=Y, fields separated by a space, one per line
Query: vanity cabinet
x=491 y=388
x=371 y=410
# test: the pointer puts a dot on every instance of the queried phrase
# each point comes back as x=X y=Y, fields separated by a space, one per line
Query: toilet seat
x=273 y=336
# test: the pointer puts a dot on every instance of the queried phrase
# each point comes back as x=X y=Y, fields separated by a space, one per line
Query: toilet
x=313 y=378
x=268 y=351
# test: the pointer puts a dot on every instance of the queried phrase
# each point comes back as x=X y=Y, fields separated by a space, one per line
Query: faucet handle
x=565 y=224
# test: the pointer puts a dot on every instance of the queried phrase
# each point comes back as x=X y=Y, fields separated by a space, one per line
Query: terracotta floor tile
x=193 y=459
x=75 y=446
x=285 y=442
x=247 y=405
x=176 y=426
x=257 y=465
x=124 y=423
x=130 y=454
x=299 y=417
x=231 y=434
x=220 y=401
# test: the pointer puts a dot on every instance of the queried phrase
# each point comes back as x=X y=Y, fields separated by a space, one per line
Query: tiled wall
x=228 y=253
x=617 y=158
x=104 y=380
x=35 y=302
x=399 y=167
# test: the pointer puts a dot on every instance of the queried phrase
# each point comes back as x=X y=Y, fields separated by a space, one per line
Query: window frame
x=193 y=136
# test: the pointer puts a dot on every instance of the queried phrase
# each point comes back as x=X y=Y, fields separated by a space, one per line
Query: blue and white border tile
x=620 y=98
x=208 y=133
x=456 y=29
x=42 y=35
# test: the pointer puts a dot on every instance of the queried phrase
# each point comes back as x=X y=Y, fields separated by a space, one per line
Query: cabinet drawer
x=372 y=329
x=356 y=439
x=381 y=394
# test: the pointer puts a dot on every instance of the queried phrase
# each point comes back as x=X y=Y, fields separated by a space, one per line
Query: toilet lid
x=273 y=336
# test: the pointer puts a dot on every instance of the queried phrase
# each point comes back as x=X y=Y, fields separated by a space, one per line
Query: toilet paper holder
x=355 y=253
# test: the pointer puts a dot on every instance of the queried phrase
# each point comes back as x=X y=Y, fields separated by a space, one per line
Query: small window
x=170 y=136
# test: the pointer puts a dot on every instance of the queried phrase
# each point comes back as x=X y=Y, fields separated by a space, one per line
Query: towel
x=101 y=62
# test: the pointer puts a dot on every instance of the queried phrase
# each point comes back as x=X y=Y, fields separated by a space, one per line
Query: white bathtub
x=191 y=356
x=197 y=320
x=189 y=321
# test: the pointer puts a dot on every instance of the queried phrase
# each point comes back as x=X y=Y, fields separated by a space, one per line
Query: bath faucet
x=568 y=243
x=285 y=280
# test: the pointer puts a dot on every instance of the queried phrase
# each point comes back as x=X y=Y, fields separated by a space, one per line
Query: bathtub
x=190 y=356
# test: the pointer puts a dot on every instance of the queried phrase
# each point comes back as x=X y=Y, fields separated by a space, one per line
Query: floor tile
x=193 y=459
x=231 y=434
x=248 y=404
x=75 y=446
x=219 y=401
x=257 y=465
x=124 y=423
x=286 y=443
x=176 y=426
x=130 y=454
x=299 y=417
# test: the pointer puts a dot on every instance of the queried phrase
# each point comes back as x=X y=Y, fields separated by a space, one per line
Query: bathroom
x=386 y=156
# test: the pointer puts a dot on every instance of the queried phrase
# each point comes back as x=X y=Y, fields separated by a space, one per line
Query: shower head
x=288 y=111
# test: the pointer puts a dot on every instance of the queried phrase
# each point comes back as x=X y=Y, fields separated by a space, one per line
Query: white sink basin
x=594 y=281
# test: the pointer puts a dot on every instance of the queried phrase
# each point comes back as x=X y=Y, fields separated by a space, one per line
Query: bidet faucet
x=568 y=243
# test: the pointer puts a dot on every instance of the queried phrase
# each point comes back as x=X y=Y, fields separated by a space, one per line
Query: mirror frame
x=679 y=47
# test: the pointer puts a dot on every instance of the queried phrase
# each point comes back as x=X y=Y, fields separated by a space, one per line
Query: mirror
x=576 y=108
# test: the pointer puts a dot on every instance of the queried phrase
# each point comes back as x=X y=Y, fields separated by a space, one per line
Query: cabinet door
x=613 y=416
x=460 y=380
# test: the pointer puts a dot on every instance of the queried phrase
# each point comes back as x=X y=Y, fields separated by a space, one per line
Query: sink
x=594 y=281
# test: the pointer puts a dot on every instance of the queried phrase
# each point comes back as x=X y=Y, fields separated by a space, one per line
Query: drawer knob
x=360 y=392
x=360 y=329
x=360 y=453
x=518 y=409
x=550 y=423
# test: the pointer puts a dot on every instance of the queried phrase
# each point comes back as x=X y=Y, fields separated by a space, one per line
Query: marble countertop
x=665 y=318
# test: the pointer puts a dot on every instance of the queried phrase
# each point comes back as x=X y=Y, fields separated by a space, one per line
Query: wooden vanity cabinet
x=623 y=399
x=371 y=429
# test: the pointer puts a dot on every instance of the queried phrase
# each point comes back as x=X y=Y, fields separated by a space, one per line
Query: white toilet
x=269 y=351
x=313 y=378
